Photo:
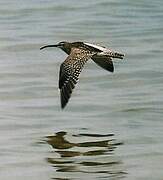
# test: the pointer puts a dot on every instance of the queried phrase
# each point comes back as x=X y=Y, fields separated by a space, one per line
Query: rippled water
x=112 y=127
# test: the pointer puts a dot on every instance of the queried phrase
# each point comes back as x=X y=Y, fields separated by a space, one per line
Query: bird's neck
x=66 y=50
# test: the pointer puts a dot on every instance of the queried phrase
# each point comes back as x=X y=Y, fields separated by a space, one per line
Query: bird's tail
x=118 y=55
x=112 y=54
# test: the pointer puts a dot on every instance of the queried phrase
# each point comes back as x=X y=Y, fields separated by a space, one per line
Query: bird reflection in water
x=94 y=158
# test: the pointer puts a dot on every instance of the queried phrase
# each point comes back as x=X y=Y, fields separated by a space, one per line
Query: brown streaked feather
x=69 y=73
x=104 y=61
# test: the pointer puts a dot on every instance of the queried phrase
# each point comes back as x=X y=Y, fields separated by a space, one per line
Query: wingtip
x=63 y=103
x=63 y=106
x=63 y=98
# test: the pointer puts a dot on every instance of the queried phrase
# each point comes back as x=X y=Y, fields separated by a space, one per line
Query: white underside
x=105 y=51
x=96 y=46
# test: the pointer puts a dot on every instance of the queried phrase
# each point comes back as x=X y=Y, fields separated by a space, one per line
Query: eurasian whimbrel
x=79 y=53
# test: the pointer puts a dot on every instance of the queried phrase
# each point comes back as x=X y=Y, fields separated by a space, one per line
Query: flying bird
x=78 y=54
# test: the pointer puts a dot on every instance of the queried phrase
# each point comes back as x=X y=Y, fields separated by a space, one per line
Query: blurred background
x=112 y=127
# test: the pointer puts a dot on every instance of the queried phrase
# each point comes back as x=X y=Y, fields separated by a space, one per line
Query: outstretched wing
x=104 y=61
x=69 y=73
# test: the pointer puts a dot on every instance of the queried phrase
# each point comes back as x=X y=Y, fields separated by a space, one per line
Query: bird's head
x=65 y=46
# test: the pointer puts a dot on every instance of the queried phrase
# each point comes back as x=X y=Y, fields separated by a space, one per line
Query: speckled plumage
x=79 y=53
x=70 y=70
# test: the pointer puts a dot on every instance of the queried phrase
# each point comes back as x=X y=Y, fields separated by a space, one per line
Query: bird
x=78 y=54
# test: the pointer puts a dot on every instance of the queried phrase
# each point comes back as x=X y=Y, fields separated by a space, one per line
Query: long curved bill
x=47 y=46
